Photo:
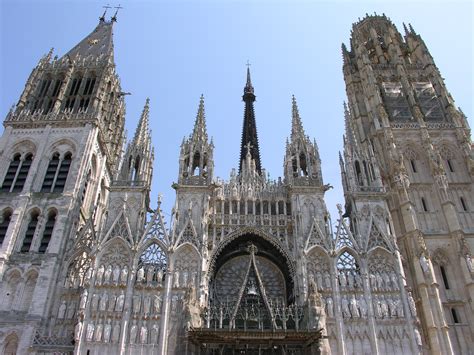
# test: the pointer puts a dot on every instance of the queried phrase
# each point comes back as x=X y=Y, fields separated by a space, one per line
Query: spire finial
x=248 y=86
x=106 y=7
x=114 y=18
x=142 y=131
x=296 y=125
x=200 y=131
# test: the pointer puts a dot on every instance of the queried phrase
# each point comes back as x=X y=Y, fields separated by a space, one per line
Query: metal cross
x=248 y=64
x=248 y=146
x=114 y=18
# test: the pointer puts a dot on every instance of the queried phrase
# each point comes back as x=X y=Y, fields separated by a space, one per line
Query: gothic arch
x=10 y=288
x=31 y=278
x=62 y=146
x=146 y=243
x=187 y=263
x=115 y=251
x=258 y=233
x=24 y=146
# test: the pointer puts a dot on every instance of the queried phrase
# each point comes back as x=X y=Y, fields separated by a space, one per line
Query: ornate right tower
x=416 y=146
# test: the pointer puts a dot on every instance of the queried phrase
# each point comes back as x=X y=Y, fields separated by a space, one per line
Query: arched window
x=347 y=262
x=47 y=232
x=73 y=91
x=4 y=223
x=86 y=93
x=136 y=169
x=153 y=262
x=196 y=163
x=444 y=276
x=303 y=166
x=454 y=313
x=17 y=173
x=30 y=232
x=56 y=174
x=359 y=173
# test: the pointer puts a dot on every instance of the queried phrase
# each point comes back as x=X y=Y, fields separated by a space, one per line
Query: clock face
x=231 y=276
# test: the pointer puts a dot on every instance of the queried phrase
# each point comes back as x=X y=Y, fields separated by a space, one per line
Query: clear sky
x=172 y=51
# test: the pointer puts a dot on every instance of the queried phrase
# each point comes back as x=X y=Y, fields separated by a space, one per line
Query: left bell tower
x=61 y=148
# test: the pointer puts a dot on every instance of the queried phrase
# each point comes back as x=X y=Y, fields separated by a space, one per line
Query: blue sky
x=174 y=51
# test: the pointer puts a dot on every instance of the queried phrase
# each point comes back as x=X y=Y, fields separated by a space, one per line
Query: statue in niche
x=82 y=303
x=136 y=303
x=345 y=307
x=176 y=279
x=330 y=307
x=146 y=304
x=155 y=333
x=469 y=262
x=133 y=332
x=98 y=332
x=317 y=305
x=107 y=331
x=373 y=282
x=140 y=275
x=383 y=307
x=119 y=303
x=62 y=310
x=418 y=338
x=350 y=280
x=149 y=275
x=342 y=279
x=354 y=307
x=363 y=306
x=116 y=274
x=424 y=263
x=90 y=332
x=124 y=276
x=95 y=301
x=107 y=274
x=377 y=307
x=319 y=280
x=185 y=278
x=103 y=301
x=379 y=279
x=357 y=280
x=112 y=300
x=88 y=276
x=157 y=304
x=116 y=332
x=387 y=281
x=394 y=279
x=144 y=334
x=411 y=304
x=159 y=277
x=77 y=331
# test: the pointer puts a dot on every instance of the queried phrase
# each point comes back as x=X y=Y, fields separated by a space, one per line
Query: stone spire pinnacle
x=142 y=132
x=348 y=127
x=296 y=125
x=200 y=131
x=249 y=131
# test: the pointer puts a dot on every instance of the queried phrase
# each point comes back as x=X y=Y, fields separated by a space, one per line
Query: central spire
x=249 y=131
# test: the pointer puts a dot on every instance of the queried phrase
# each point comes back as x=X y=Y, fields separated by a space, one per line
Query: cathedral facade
x=246 y=265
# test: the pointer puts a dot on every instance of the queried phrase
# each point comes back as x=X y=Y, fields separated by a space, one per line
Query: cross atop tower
x=114 y=18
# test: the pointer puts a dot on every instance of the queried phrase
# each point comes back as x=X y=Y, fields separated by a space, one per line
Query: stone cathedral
x=246 y=265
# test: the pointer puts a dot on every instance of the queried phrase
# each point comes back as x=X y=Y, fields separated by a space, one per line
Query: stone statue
x=143 y=334
x=120 y=300
x=185 y=278
x=116 y=332
x=112 y=302
x=354 y=307
x=62 y=310
x=136 y=303
x=157 y=304
x=159 y=277
x=424 y=263
x=103 y=301
x=133 y=332
x=90 y=332
x=98 y=332
x=330 y=307
x=377 y=308
x=394 y=278
x=146 y=304
x=176 y=279
x=155 y=333
x=100 y=275
x=77 y=331
x=95 y=301
x=363 y=306
x=357 y=280
x=350 y=280
x=383 y=307
x=150 y=271
x=107 y=274
x=345 y=308
x=327 y=280
x=319 y=280
x=88 y=276
x=124 y=275
x=379 y=279
x=469 y=262
x=107 y=331
x=418 y=337
x=373 y=282
x=82 y=303
x=342 y=279
x=140 y=275
x=387 y=280
x=116 y=274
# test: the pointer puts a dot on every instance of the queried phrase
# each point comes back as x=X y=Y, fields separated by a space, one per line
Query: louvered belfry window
x=56 y=173
x=47 y=233
x=17 y=173
x=30 y=232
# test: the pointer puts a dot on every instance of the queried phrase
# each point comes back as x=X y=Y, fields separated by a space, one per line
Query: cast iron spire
x=249 y=131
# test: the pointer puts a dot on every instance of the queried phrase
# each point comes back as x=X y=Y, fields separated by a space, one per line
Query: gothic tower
x=408 y=151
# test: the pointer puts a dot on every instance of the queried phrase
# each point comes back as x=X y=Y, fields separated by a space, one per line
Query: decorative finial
x=114 y=18
x=106 y=7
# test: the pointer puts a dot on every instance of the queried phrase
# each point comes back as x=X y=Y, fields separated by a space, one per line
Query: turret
x=196 y=162
x=302 y=162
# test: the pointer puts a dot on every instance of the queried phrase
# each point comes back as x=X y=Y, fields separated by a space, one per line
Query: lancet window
x=47 y=232
x=4 y=223
x=56 y=173
x=30 y=232
x=152 y=266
